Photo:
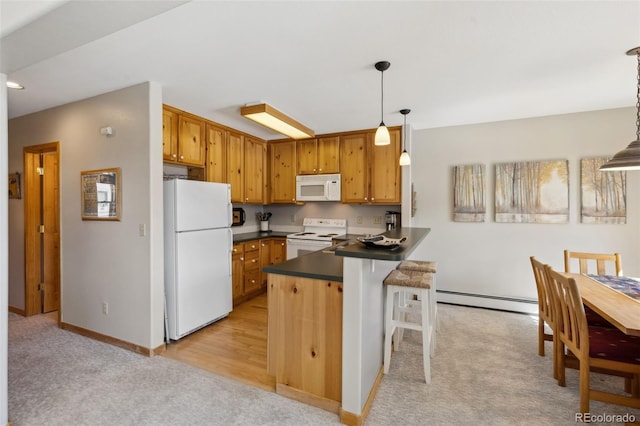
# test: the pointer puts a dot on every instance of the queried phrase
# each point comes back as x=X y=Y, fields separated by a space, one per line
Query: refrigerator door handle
x=230 y=251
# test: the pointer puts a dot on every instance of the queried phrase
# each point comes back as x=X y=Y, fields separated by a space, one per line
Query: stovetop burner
x=321 y=229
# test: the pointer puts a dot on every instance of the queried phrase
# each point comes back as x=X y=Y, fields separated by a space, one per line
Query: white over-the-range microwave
x=318 y=187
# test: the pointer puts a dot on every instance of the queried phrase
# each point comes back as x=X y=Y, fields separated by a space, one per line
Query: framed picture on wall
x=603 y=197
x=100 y=194
x=469 y=193
x=532 y=192
x=14 y=185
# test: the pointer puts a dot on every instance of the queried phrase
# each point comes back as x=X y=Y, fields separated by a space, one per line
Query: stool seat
x=408 y=278
x=418 y=265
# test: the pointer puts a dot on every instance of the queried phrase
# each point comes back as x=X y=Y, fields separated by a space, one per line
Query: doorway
x=42 y=228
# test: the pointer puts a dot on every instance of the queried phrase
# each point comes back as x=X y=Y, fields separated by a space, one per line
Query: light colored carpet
x=486 y=372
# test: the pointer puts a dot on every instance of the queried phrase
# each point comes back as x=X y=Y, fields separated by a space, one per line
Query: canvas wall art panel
x=469 y=193
x=532 y=192
x=603 y=196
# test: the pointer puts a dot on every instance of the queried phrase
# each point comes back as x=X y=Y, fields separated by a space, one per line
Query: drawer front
x=251 y=259
x=238 y=249
x=252 y=280
x=252 y=245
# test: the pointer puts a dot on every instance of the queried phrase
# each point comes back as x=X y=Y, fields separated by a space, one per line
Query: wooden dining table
x=619 y=309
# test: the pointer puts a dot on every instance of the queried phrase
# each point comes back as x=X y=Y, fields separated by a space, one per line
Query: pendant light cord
x=382 y=97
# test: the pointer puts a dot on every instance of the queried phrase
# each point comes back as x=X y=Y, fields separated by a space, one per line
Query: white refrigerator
x=197 y=254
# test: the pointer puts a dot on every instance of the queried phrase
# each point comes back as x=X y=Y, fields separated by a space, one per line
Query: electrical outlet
x=377 y=220
x=359 y=220
x=105 y=308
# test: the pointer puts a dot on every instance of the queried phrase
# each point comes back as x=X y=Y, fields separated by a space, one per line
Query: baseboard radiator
x=512 y=304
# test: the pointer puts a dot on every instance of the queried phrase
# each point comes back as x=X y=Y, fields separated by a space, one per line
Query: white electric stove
x=317 y=234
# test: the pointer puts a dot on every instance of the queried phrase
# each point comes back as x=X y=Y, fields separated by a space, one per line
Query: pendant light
x=629 y=158
x=382 y=134
x=405 y=160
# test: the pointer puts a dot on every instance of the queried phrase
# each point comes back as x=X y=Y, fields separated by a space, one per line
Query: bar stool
x=429 y=266
x=419 y=284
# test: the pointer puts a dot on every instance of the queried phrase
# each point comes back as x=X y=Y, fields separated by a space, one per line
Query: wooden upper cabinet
x=319 y=156
x=169 y=135
x=235 y=166
x=370 y=173
x=354 y=168
x=191 y=141
x=282 y=156
x=385 y=184
x=216 y=154
x=255 y=161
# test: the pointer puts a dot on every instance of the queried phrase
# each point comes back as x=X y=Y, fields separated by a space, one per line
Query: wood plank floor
x=235 y=347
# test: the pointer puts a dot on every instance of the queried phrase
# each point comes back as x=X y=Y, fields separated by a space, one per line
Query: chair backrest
x=571 y=320
x=604 y=262
x=546 y=308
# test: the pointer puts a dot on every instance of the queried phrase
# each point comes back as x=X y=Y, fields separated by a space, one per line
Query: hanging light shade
x=382 y=134
x=405 y=160
x=629 y=158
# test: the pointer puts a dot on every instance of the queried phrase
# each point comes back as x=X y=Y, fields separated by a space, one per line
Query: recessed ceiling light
x=14 y=85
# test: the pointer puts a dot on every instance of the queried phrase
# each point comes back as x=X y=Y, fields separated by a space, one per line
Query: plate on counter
x=381 y=242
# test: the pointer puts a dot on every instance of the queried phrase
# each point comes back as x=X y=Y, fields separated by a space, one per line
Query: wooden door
x=235 y=166
x=307 y=153
x=354 y=168
x=42 y=229
x=255 y=171
x=169 y=135
x=283 y=172
x=191 y=141
x=329 y=155
x=237 y=272
x=216 y=154
x=278 y=250
x=385 y=181
x=265 y=259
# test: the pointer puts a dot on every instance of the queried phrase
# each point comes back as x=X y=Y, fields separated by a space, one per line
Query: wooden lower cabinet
x=247 y=261
x=304 y=350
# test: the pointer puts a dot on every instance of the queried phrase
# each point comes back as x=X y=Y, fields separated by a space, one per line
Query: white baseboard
x=492 y=302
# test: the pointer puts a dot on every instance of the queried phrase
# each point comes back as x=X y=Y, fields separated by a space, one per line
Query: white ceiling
x=452 y=62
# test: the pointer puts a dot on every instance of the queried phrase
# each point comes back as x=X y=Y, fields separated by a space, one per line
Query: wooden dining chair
x=546 y=310
x=605 y=349
x=593 y=263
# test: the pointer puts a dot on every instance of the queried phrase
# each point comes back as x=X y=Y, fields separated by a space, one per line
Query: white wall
x=103 y=261
x=493 y=258
x=4 y=247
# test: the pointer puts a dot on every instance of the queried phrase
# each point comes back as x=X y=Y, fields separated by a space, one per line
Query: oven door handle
x=317 y=243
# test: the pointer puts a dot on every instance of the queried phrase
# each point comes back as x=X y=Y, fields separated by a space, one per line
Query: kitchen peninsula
x=326 y=323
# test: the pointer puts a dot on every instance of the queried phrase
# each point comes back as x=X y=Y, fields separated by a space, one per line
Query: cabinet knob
x=373 y=199
x=253 y=281
x=253 y=261
x=314 y=169
x=282 y=244
x=235 y=250
x=182 y=157
x=174 y=156
x=320 y=169
x=365 y=198
x=262 y=244
x=242 y=258
x=246 y=199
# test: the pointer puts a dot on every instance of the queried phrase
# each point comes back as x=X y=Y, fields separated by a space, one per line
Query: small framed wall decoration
x=469 y=193
x=14 y=185
x=532 y=192
x=603 y=197
x=100 y=194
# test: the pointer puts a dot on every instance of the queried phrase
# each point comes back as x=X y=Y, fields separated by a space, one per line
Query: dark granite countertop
x=248 y=236
x=346 y=237
x=414 y=237
x=317 y=265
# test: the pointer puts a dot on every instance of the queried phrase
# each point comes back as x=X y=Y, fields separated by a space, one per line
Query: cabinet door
x=354 y=168
x=265 y=260
x=307 y=153
x=385 y=182
x=278 y=250
x=169 y=135
x=237 y=274
x=255 y=171
x=191 y=141
x=283 y=172
x=329 y=155
x=216 y=140
x=235 y=165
